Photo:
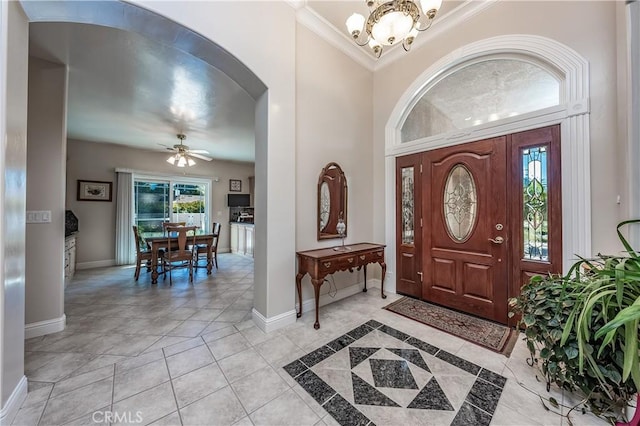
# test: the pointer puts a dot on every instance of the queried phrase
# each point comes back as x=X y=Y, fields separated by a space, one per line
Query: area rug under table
x=488 y=334
x=379 y=375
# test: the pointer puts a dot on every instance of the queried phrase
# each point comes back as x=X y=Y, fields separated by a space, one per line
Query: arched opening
x=542 y=61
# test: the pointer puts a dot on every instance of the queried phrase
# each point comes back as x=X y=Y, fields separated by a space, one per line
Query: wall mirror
x=332 y=201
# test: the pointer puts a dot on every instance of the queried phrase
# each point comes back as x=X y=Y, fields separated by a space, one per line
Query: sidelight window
x=535 y=203
x=408 y=206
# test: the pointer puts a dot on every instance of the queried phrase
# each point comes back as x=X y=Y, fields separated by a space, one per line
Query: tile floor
x=133 y=353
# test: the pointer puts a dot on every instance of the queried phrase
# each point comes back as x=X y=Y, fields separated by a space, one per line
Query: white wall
x=14 y=36
x=334 y=98
x=98 y=161
x=592 y=35
x=46 y=146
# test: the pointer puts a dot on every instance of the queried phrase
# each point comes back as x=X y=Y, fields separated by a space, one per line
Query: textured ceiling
x=127 y=89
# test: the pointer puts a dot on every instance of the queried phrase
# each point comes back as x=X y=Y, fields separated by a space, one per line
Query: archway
x=572 y=114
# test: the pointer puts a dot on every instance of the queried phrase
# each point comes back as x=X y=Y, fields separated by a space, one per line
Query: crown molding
x=316 y=23
x=308 y=17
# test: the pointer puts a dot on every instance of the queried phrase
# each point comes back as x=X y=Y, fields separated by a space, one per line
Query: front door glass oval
x=460 y=203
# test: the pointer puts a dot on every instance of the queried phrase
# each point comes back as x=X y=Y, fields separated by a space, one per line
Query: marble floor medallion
x=375 y=374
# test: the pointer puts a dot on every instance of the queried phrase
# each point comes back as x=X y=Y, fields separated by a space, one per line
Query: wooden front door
x=465 y=204
x=490 y=216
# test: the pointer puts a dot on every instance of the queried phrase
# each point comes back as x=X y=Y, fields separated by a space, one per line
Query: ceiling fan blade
x=200 y=156
x=199 y=151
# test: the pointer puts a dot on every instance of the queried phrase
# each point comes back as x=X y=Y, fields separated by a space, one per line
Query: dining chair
x=202 y=248
x=143 y=254
x=180 y=250
x=165 y=225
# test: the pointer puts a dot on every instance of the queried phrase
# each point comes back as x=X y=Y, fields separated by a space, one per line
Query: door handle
x=420 y=273
x=497 y=240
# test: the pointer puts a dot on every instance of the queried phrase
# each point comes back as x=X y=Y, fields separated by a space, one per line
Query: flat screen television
x=238 y=200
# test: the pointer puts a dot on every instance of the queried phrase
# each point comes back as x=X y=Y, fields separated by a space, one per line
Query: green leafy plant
x=583 y=328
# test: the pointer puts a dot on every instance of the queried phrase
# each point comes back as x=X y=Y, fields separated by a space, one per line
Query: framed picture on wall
x=93 y=190
x=235 y=185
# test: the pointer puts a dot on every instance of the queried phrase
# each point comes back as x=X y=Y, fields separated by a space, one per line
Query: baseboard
x=224 y=250
x=96 y=264
x=273 y=323
x=41 y=328
x=10 y=410
x=309 y=305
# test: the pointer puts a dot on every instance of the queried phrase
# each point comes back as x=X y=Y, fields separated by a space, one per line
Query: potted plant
x=582 y=328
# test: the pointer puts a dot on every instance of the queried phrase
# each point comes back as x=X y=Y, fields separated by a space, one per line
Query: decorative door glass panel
x=535 y=207
x=408 y=206
x=480 y=92
x=460 y=203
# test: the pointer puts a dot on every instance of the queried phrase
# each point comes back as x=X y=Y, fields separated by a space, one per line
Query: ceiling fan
x=182 y=154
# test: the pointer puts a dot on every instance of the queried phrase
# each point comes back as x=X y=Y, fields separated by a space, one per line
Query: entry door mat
x=496 y=337
x=375 y=375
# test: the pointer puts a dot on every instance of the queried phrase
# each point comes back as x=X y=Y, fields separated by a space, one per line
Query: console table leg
x=316 y=289
x=384 y=271
x=299 y=288
x=364 y=268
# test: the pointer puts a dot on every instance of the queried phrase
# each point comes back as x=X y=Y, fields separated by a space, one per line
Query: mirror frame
x=334 y=177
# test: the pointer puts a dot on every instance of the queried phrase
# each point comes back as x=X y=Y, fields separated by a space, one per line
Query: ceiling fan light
x=171 y=160
x=182 y=161
x=190 y=162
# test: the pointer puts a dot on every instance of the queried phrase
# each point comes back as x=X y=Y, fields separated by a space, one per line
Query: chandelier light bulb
x=392 y=28
x=430 y=5
x=355 y=23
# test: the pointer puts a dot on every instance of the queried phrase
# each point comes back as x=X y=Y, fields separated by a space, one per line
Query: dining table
x=155 y=244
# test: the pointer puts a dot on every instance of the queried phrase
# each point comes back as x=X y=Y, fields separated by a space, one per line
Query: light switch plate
x=38 y=216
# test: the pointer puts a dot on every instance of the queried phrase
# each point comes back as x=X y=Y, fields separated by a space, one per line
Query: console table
x=322 y=262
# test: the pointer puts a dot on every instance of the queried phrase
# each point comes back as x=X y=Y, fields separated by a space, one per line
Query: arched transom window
x=481 y=91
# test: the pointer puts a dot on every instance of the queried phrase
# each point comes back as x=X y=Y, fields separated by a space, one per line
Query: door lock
x=499 y=226
x=497 y=240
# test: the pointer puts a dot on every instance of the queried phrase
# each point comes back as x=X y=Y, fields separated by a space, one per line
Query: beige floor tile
x=241 y=364
x=189 y=328
x=80 y=380
x=189 y=360
x=172 y=419
x=151 y=405
x=220 y=408
x=278 y=412
x=187 y=344
x=133 y=381
x=197 y=384
x=78 y=402
x=228 y=346
x=30 y=415
x=258 y=388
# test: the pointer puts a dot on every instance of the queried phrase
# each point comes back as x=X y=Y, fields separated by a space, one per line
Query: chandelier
x=392 y=22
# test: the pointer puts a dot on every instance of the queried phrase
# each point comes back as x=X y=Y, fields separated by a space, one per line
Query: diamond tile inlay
x=431 y=397
x=365 y=394
x=416 y=383
x=357 y=355
x=411 y=355
x=388 y=373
